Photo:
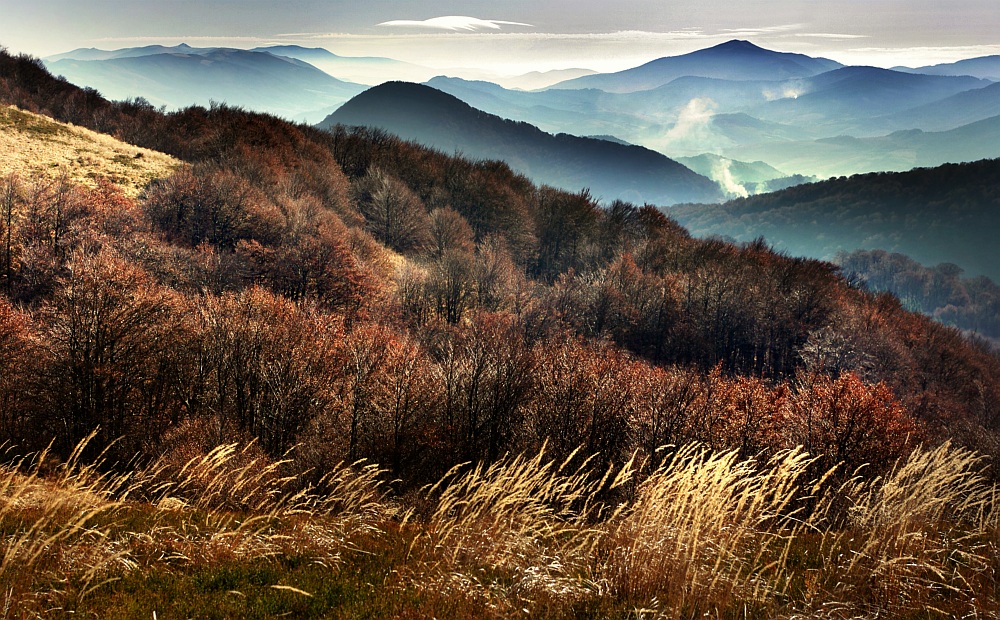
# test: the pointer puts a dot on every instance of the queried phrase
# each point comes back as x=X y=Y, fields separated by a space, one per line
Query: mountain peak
x=737 y=45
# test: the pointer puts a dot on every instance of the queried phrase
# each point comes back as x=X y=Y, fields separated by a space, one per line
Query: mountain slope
x=945 y=214
x=259 y=81
x=610 y=170
x=733 y=60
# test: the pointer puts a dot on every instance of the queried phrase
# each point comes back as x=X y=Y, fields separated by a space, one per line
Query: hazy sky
x=519 y=35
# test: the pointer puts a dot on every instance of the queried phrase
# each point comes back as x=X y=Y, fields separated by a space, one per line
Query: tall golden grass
x=703 y=534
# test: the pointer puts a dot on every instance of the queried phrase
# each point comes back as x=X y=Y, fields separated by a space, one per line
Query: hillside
x=609 y=170
x=844 y=98
x=335 y=373
x=36 y=147
x=948 y=214
x=733 y=60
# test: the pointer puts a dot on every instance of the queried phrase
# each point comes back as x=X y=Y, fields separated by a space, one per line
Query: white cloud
x=452 y=23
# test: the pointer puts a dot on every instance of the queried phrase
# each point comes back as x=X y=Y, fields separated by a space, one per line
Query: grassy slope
x=35 y=146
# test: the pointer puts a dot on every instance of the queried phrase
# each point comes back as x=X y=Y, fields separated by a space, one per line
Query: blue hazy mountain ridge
x=610 y=170
x=367 y=70
x=92 y=53
x=987 y=67
x=777 y=120
x=950 y=213
x=897 y=151
x=733 y=60
x=960 y=109
x=258 y=81
x=842 y=98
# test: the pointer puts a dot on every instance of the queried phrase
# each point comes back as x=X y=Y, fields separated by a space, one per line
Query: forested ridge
x=947 y=214
x=226 y=396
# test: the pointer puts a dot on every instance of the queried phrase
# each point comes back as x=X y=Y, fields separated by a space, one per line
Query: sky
x=517 y=36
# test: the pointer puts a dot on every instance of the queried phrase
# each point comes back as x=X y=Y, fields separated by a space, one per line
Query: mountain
x=935 y=215
x=740 y=178
x=92 y=53
x=543 y=79
x=255 y=80
x=368 y=70
x=431 y=117
x=733 y=60
x=842 y=99
x=987 y=67
x=777 y=122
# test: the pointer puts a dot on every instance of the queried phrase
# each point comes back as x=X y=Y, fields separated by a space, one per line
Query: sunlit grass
x=35 y=147
x=227 y=535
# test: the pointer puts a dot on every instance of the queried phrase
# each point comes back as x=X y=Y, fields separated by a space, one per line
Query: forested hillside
x=326 y=297
x=948 y=214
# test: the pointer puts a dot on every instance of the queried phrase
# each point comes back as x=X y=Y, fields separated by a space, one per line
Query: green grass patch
x=27 y=123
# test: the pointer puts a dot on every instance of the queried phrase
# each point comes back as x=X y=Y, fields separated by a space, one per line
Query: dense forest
x=307 y=361
x=947 y=214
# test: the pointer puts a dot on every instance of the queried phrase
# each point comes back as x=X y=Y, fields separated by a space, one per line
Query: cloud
x=452 y=23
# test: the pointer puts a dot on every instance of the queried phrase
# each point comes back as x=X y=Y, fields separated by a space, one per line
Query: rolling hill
x=367 y=70
x=610 y=170
x=960 y=109
x=843 y=98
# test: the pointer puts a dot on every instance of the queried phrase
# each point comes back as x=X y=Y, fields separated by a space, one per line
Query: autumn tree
x=267 y=367
x=393 y=213
x=110 y=332
x=485 y=376
x=19 y=357
x=848 y=422
x=11 y=203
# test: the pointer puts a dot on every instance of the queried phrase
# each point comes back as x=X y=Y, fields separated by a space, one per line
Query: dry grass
x=705 y=534
x=38 y=147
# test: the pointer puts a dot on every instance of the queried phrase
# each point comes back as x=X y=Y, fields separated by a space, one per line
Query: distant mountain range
x=898 y=151
x=987 y=67
x=735 y=101
x=181 y=76
x=610 y=170
x=733 y=60
x=367 y=70
x=935 y=215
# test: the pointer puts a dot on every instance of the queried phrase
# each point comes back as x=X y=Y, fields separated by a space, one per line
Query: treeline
x=970 y=304
x=358 y=296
